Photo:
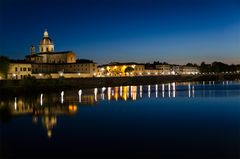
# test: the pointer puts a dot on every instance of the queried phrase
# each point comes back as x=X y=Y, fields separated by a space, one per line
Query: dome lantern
x=45 y=34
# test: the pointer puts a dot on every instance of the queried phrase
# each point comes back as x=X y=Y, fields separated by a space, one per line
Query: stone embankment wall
x=33 y=85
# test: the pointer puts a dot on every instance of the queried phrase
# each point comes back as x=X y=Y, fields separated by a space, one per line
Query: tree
x=4 y=66
x=219 y=67
x=204 y=68
x=189 y=64
x=129 y=70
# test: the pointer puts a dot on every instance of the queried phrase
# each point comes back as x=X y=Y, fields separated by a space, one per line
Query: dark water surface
x=176 y=120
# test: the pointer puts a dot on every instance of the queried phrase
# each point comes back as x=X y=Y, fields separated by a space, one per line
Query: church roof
x=61 y=52
x=49 y=53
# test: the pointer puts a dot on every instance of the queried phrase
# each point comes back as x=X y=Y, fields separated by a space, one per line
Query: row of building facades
x=50 y=64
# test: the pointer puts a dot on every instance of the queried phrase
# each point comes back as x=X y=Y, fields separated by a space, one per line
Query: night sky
x=175 y=31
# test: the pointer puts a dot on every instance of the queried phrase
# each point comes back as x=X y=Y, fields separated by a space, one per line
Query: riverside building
x=47 y=63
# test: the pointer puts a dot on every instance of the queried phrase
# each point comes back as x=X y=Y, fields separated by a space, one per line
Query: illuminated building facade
x=19 y=69
x=189 y=70
x=48 y=55
x=50 y=64
x=121 y=69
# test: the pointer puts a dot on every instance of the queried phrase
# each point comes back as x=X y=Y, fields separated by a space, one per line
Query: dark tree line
x=218 y=67
x=4 y=66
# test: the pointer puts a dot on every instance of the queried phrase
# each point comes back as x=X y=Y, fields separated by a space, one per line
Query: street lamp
x=14 y=76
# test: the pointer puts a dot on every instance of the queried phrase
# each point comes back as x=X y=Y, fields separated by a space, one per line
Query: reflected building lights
x=103 y=94
x=131 y=91
x=120 y=91
x=103 y=89
x=174 y=89
x=140 y=91
x=116 y=93
x=163 y=91
x=156 y=90
x=127 y=91
x=169 y=89
x=109 y=93
x=41 y=99
x=80 y=96
x=15 y=103
x=49 y=122
x=193 y=91
x=53 y=108
x=149 y=91
x=124 y=93
x=189 y=90
x=95 y=94
x=134 y=92
x=62 y=94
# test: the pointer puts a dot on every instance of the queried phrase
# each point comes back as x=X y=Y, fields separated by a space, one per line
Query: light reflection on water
x=48 y=108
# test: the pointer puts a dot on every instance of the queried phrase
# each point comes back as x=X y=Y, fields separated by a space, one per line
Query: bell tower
x=32 y=49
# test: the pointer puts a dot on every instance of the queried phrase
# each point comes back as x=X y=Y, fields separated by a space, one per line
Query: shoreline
x=48 y=85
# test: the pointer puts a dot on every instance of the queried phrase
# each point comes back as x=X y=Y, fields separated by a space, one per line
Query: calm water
x=176 y=120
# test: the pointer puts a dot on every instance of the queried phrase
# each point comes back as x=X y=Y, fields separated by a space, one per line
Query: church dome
x=46 y=44
x=46 y=40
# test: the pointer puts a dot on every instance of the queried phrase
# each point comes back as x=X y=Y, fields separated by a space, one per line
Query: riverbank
x=46 y=85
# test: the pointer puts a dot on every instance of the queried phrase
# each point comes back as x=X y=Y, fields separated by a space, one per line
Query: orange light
x=72 y=108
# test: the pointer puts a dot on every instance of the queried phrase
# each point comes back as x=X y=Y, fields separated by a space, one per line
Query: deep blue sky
x=175 y=31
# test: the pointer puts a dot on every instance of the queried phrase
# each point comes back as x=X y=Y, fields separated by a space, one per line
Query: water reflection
x=62 y=94
x=41 y=99
x=49 y=106
x=80 y=96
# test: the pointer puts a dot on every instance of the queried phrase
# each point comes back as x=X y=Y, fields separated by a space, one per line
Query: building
x=82 y=68
x=165 y=69
x=121 y=69
x=50 y=64
x=189 y=70
x=47 y=54
x=19 y=69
